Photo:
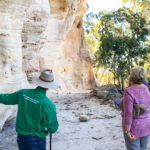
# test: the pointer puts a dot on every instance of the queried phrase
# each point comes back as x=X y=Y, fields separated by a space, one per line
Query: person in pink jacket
x=136 y=130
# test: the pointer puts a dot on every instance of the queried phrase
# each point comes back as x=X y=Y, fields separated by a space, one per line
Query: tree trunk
x=102 y=75
x=119 y=83
x=122 y=84
x=96 y=72
x=114 y=80
x=148 y=68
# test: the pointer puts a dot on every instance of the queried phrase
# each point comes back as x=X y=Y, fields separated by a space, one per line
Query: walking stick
x=50 y=142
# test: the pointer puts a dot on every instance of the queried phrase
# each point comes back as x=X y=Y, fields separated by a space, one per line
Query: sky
x=97 y=5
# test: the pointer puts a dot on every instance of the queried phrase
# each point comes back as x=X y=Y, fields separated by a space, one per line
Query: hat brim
x=49 y=85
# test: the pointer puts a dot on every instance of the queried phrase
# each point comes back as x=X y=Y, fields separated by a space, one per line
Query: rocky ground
x=101 y=132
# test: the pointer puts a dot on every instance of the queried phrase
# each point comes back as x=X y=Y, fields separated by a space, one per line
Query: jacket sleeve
x=50 y=118
x=127 y=108
x=10 y=99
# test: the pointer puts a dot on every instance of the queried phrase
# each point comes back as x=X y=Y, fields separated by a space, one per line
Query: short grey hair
x=138 y=75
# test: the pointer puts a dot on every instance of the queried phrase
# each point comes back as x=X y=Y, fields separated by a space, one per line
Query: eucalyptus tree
x=119 y=39
x=143 y=7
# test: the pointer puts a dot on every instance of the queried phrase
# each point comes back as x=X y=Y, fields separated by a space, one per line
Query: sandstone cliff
x=39 y=34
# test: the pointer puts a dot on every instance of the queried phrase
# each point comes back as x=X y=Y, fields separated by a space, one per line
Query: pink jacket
x=140 y=126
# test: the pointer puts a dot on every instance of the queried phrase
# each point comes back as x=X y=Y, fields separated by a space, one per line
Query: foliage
x=119 y=39
x=142 y=7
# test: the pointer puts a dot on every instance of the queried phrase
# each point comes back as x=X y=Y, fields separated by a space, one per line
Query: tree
x=140 y=4
x=119 y=38
x=142 y=7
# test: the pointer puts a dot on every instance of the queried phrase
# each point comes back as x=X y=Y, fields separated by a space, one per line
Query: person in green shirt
x=36 y=115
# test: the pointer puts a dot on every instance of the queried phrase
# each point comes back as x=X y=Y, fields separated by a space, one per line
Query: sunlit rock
x=39 y=34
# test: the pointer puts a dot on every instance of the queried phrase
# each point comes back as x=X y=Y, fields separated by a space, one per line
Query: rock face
x=39 y=34
x=55 y=39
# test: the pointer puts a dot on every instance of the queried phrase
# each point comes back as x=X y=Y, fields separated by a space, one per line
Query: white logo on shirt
x=30 y=99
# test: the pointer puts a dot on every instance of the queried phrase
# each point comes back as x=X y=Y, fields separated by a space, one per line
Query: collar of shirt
x=41 y=90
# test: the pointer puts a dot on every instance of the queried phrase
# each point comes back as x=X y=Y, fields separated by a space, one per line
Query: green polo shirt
x=36 y=112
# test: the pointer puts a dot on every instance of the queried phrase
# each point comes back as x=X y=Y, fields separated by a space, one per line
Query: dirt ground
x=102 y=131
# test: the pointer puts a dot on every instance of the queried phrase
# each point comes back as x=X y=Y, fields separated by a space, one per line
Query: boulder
x=108 y=92
x=84 y=118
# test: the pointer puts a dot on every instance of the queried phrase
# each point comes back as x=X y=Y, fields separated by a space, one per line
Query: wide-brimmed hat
x=46 y=80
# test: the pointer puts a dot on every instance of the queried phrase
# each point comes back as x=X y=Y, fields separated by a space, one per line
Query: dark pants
x=30 y=142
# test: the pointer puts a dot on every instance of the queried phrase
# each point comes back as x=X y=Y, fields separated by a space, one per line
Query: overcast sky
x=97 y=5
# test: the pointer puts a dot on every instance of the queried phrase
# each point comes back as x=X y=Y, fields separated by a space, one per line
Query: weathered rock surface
x=55 y=39
x=108 y=93
x=39 y=34
x=66 y=50
x=12 y=15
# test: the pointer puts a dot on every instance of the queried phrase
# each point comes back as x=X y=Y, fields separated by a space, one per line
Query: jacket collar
x=41 y=89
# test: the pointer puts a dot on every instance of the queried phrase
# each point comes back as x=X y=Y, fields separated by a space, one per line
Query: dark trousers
x=31 y=142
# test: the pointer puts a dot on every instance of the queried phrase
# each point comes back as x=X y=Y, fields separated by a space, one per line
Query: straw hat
x=46 y=80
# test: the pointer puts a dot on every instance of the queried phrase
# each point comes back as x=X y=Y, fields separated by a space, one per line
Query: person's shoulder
x=27 y=90
x=136 y=89
x=48 y=102
x=128 y=90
